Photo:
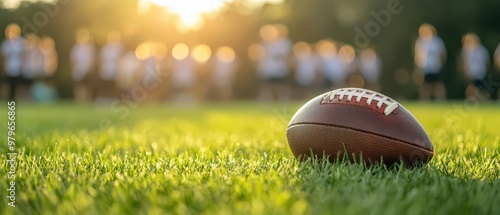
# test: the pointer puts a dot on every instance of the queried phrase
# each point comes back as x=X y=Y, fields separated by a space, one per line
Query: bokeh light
x=201 y=53
x=356 y=80
x=12 y=31
x=150 y=49
x=83 y=36
x=143 y=51
x=347 y=53
x=225 y=54
x=180 y=51
x=269 y=32
x=302 y=50
x=326 y=49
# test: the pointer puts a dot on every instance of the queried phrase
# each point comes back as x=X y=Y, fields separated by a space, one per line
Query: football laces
x=350 y=93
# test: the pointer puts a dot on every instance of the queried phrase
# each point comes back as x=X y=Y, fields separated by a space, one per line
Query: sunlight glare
x=14 y=4
x=191 y=13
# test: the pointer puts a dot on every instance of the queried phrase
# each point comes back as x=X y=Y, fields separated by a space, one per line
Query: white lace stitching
x=362 y=93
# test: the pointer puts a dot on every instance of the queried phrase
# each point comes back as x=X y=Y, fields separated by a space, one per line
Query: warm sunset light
x=191 y=13
x=150 y=49
x=249 y=107
x=143 y=51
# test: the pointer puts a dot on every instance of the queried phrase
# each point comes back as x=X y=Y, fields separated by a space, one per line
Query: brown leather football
x=361 y=125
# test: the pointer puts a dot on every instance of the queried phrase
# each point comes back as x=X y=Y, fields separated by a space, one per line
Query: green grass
x=234 y=159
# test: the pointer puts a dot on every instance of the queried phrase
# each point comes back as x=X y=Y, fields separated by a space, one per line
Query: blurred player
x=32 y=64
x=224 y=73
x=128 y=72
x=474 y=62
x=331 y=65
x=369 y=66
x=273 y=66
x=11 y=50
x=306 y=74
x=183 y=74
x=50 y=57
x=148 y=67
x=348 y=58
x=497 y=66
x=154 y=79
x=82 y=61
x=109 y=57
x=430 y=56
x=43 y=89
x=201 y=54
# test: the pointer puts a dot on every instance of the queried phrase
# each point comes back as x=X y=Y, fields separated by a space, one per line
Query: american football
x=361 y=124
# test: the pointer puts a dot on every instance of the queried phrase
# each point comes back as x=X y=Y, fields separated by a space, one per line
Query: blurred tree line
x=308 y=20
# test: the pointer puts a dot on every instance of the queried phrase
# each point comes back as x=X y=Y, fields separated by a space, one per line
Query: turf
x=234 y=159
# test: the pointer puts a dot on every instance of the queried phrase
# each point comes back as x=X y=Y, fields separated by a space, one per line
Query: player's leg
x=88 y=92
x=440 y=91
x=481 y=91
x=283 y=91
x=227 y=92
x=13 y=82
x=77 y=93
x=29 y=86
x=470 y=91
x=265 y=91
x=498 y=93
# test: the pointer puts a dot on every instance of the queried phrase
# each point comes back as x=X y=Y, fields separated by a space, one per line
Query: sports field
x=234 y=159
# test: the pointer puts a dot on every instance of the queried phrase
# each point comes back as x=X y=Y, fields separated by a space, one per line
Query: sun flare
x=191 y=13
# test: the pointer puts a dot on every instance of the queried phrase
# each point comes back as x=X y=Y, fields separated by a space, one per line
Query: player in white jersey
x=184 y=75
x=44 y=90
x=330 y=64
x=109 y=56
x=32 y=64
x=348 y=58
x=11 y=49
x=50 y=57
x=370 y=65
x=82 y=61
x=430 y=56
x=475 y=61
x=306 y=70
x=273 y=67
x=128 y=72
x=497 y=66
x=224 y=72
